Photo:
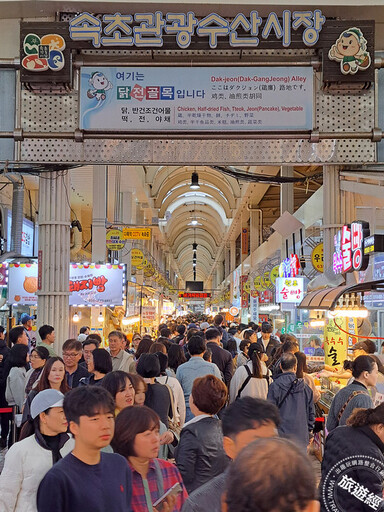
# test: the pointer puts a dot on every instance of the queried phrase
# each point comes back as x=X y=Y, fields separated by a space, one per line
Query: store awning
x=326 y=299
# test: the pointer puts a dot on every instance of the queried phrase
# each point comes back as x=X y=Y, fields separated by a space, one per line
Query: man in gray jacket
x=294 y=399
x=243 y=421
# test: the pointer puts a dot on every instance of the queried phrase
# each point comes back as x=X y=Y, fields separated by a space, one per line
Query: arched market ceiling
x=202 y=216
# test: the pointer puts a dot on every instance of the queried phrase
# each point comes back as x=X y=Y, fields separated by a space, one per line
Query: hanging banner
x=89 y=285
x=335 y=342
x=274 y=274
x=198 y=98
x=148 y=314
x=244 y=294
x=244 y=241
x=254 y=309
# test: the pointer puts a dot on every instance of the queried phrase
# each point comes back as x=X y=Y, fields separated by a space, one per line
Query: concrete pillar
x=331 y=212
x=227 y=260
x=54 y=225
x=233 y=255
x=286 y=191
x=255 y=229
x=99 y=213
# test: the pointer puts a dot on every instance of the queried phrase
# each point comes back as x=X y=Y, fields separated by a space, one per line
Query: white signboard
x=89 y=285
x=254 y=309
x=96 y=285
x=22 y=283
x=149 y=314
x=198 y=98
x=289 y=289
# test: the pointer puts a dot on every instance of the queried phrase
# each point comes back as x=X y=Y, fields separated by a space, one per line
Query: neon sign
x=349 y=252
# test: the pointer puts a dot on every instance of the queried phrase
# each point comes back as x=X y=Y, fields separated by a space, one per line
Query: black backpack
x=249 y=377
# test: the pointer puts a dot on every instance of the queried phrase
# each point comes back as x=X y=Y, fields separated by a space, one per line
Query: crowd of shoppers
x=219 y=417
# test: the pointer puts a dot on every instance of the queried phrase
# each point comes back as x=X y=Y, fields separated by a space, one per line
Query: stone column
x=54 y=226
x=286 y=191
x=255 y=231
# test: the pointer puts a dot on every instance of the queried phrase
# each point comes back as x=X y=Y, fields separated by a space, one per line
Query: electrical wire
x=261 y=178
x=356 y=335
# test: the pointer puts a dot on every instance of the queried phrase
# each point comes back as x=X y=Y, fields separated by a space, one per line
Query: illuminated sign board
x=194 y=295
x=290 y=267
x=289 y=289
x=351 y=252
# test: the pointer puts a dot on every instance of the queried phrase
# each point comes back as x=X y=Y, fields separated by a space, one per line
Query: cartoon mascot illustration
x=100 y=85
x=351 y=51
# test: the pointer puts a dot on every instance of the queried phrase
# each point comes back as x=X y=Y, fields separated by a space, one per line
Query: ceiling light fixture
x=100 y=318
x=76 y=318
x=194 y=181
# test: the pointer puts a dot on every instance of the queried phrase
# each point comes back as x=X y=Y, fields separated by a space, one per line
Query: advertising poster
x=22 y=284
x=89 y=285
x=198 y=98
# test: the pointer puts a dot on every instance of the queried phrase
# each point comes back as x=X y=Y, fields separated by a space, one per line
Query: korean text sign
x=198 y=98
x=89 y=285
x=289 y=289
x=148 y=29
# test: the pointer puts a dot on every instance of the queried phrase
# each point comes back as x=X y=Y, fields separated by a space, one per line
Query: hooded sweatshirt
x=297 y=411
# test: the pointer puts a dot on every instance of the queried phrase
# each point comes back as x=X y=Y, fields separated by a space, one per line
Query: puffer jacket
x=26 y=464
x=297 y=411
x=352 y=443
x=200 y=455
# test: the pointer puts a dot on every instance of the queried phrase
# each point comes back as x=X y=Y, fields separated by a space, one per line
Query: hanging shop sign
x=265 y=297
x=317 y=257
x=233 y=311
x=373 y=244
x=244 y=294
x=247 y=286
x=198 y=98
x=114 y=240
x=349 y=254
x=28 y=234
x=137 y=257
x=154 y=30
x=274 y=274
x=258 y=283
x=289 y=289
x=89 y=284
x=290 y=267
x=337 y=342
x=136 y=233
x=194 y=295
x=44 y=53
x=254 y=309
x=267 y=279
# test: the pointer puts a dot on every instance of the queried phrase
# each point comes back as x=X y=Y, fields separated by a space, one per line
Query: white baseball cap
x=46 y=400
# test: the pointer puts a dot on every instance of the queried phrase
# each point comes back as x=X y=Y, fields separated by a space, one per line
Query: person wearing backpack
x=294 y=399
x=252 y=378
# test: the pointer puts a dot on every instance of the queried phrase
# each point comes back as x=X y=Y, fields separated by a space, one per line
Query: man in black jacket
x=221 y=357
x=269 y=341
x=244 y=421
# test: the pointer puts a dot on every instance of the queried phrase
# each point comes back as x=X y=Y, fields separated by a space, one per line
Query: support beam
x=331 y=212
x=99 y=213
x=54 y=226
x=286 y=191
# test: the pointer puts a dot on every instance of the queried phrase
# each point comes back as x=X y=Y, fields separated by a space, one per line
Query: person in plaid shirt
x=137 y=439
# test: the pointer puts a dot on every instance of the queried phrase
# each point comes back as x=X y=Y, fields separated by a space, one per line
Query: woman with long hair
x=143 y=347
x=18 y=363
x=43 y=442
x=176 y=357
x=251 y=379
x=365 y=373
x=137 y=438
x=302 y=373
x=361 y=443
x=52 y=377
x=38 y=357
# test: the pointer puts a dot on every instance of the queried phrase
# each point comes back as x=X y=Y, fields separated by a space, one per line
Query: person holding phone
x=157 y=484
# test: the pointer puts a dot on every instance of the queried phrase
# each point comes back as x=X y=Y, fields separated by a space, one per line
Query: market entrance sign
x=150 y=30
x=198 y=98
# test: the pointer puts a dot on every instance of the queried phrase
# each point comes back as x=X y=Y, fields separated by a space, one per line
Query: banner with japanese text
x=198 y=98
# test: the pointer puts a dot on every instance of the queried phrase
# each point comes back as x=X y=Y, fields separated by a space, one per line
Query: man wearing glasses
x=72 y=351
